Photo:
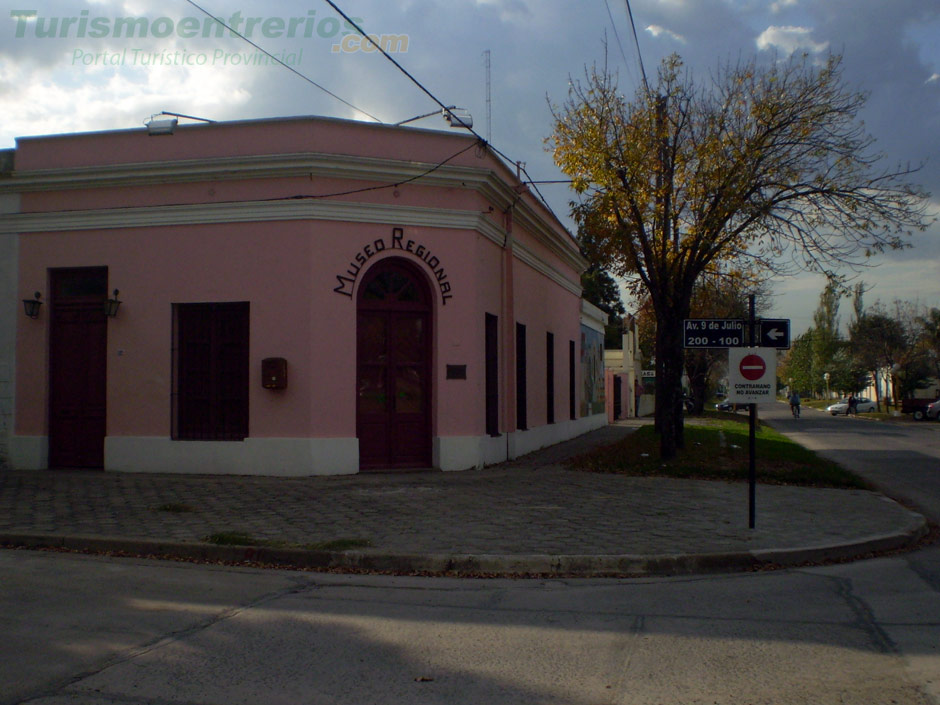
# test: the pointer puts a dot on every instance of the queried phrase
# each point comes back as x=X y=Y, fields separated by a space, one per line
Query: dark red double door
x=393 y=416
x=77 y=368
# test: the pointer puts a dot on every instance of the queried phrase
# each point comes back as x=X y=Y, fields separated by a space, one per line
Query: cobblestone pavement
x=532 y=505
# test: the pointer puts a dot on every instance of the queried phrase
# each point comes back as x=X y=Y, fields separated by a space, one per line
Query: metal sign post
x=752 y=442
x=752 y=371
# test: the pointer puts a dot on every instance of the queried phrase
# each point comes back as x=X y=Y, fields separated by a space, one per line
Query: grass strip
x=716 y=448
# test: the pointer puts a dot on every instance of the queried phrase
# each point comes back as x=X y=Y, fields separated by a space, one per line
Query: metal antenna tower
x=489 y=98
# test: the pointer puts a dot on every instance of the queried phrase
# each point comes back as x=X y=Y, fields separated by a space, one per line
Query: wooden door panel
x=77 y=369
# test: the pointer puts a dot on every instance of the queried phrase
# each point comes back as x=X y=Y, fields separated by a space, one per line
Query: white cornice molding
x=264 y=166
x=525 y=255
x=483 y=180
x=281 y=210
x=306 y=164
x=238 y=212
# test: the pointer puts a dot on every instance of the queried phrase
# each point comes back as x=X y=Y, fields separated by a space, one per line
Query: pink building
x=297 y=296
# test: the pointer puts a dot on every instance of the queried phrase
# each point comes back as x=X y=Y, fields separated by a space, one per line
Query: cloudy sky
x=76 y=65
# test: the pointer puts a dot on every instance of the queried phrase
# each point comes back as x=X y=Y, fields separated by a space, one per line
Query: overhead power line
x=433 y=97
x=613 y=25
x=636 y=40
x=287 y=66
x=401 y=68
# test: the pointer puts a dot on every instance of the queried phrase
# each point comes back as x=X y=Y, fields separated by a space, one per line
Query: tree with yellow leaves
x=768 y=165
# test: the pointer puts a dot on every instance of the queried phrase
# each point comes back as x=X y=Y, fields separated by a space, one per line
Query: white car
x=863 y=404
x=933 y=410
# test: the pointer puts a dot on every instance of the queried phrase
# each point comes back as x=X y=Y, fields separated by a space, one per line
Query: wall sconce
x=32 y=306
x=111 y=306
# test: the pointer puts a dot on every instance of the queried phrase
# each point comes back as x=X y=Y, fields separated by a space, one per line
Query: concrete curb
x=521 y=565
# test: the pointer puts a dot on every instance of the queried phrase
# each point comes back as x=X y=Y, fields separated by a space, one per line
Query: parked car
x=915 y=407
x=933 y=410
x=863 y=404
x=729 y=406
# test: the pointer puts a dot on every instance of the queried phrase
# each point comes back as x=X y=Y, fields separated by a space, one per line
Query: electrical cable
x=303 y=196
x=613 y=25
x=414 y=80
x=427 y=92
x=380 y=187
x=287 y=66
x=636 y=40
x=388 y=56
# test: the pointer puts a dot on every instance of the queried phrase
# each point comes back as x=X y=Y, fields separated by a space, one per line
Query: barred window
x=211 y=371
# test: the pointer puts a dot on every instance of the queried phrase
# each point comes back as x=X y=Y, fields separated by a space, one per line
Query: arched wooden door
x=393 y=379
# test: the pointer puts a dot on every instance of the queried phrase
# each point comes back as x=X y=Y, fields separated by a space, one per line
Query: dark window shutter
x=212 y=371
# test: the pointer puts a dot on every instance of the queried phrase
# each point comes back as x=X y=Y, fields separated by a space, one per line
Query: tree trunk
x=669 y=365
x=697 y=368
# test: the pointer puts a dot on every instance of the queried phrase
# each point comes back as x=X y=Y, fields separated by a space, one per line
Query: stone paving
x=532 y=505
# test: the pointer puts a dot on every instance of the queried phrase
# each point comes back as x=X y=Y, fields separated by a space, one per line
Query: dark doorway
x=393 y=379
x=77 y=368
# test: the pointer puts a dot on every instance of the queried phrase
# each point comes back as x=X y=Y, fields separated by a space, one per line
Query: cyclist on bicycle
x=795 y=403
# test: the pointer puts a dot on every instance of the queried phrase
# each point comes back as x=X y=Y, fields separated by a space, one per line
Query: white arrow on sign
x=775 y=334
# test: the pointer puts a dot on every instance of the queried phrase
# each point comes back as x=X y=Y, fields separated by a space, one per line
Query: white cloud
x=658 y=31
x=780 y=5
x=508 y=9
x=789 y=39
x=933 y=79
x=99 y=97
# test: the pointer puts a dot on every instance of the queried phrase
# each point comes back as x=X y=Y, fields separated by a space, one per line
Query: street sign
x=712 y=333
x=752 y=375
x=774 y=333
x=732 y=333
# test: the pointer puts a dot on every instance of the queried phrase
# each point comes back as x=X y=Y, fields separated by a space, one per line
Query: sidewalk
x=528 y=516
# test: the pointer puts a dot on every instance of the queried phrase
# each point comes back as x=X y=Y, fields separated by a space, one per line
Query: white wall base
x=29 y=452
x=468 y=452
x=523 y=442
x=288 y=457
x=295 y=457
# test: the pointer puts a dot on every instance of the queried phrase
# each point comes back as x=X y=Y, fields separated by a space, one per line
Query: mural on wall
x=592 y=371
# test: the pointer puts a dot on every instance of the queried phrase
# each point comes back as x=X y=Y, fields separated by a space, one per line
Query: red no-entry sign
x=752 y=367
x=752 y=375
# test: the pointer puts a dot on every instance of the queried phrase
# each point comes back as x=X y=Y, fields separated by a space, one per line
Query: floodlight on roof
x=165 y=123
x=458 y=117
x=161 y=126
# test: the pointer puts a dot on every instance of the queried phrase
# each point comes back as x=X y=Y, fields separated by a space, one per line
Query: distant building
x=297 y=296
x=627 y=392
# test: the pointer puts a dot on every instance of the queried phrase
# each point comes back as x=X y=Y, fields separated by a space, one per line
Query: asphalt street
x=89 y=630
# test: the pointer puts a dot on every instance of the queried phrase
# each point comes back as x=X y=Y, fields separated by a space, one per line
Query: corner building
x=297 y=296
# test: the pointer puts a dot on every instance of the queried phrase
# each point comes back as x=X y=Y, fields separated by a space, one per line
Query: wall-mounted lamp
x=165 y=123
x=32 y=306
x=161 y=126
x=111 y=306
x=455 y=117
x=458 y=117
